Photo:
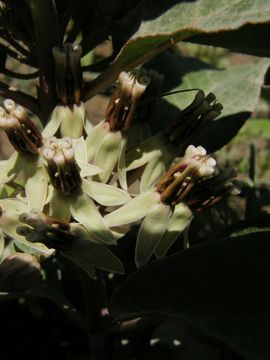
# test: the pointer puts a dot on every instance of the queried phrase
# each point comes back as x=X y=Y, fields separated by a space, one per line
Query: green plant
x=78 y=199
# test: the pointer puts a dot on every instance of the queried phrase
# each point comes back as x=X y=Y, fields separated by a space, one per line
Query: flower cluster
x=67 y=187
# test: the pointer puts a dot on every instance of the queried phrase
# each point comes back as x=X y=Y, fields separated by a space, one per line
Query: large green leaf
x=165 y=24
x=237 y=88
x=222 y=287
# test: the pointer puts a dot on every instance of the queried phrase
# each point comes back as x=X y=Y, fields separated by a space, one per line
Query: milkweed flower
x=158 y=151
x=165 y=208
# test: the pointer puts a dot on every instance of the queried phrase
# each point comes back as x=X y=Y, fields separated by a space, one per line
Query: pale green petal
x=179 y=221
x=107 y=155
x=54 y=123
x=95 y=138
x=9 y=168
x=151 y=230
x=11 y=210
x=121 y=165
x=73 y=119
x=59 y=207
x=88 y=169
x=157 y=167
x=134 y=210
x=2 y=244
x=80 y=150
x=36 y=184
x=141 y=154
x=37 y=249
x=85 y=212
x=105 y=194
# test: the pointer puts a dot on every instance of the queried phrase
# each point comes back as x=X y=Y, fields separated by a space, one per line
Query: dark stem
x=20 y=97
x=46 y=34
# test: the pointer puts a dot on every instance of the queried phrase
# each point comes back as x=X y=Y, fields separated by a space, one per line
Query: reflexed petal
x=179 y=221
x=59 y=208
x=156 y=167
x=134 y=210
x=80 y=150
x=107 y=155
x=8 y=167
x=53 y=124
x=36 y=185
x=105 y=194
x=95 y=138
x=93 y=253
x=88 y=169
x=85 y=212
x=141 y=154
x=121 y=165
x=73 y=119
x=2 y=244
x=151 y=230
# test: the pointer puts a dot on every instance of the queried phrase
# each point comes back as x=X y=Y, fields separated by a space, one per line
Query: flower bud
x=193 y=118
x=121 y=110
x=19 y=272
x=208 y=192
x=68 y=73
x=21 y=131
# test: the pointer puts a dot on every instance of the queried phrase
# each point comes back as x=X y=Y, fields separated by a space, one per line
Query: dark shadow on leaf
x=152 y=9
x=174 y=68
x=249 y=39
x=219 y=132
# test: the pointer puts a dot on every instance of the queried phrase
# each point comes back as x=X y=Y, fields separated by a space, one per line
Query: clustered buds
x=21 y=131
x=52 y=232
x=62 y=167
x=211 y=190
x=68 y=73
x=121 y=110
x=181 y=177
x=193 y=118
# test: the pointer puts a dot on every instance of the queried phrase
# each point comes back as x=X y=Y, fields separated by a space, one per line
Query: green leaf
x=105 y=194
x=167 y=23
x=245 y=227
x=85 y=212
x=151 y=230
x=134 y=210
x=222 y=287
x=239 y=40
x=226 y=84
x=179 y=220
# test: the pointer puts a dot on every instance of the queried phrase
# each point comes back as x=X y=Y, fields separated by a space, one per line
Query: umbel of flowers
x=66 y=188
